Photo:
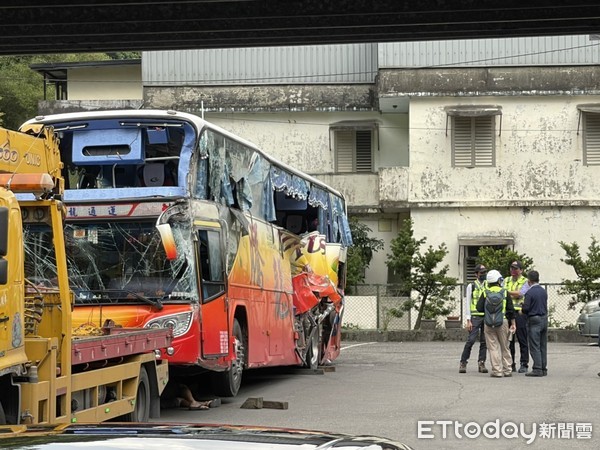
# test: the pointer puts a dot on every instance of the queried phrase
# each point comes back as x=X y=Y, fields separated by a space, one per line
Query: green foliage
x=22 y=87
x=500 y=260
x=403 y=249
x=361 y=253
x=124 y=55
x=586 y=287
x=388 y=314
x=433 y=288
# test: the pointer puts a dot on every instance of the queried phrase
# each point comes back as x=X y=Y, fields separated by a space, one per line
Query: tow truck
x=49 y=374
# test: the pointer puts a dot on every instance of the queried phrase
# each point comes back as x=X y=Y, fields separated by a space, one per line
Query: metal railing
x=374 y=307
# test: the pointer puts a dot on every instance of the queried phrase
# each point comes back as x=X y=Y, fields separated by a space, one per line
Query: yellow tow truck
x=48 y=375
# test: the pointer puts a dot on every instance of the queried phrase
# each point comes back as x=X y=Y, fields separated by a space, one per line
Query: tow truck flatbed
x=118 y=342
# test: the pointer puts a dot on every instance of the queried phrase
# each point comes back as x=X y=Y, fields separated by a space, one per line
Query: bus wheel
x=141 y=412
x=313 y=353
x=227 y=384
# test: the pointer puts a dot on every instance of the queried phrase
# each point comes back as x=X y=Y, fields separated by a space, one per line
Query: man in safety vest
x=514 y=285
x=498 y=310
x=474 y=321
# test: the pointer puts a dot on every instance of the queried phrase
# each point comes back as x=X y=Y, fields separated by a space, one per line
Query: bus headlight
x=179 y=323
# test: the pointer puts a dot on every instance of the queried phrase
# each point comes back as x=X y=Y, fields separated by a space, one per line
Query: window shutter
x=473 y=141
x=344 y=150
x=591 y=139
x=462 y=142
x=363 y=151
x=484 y=141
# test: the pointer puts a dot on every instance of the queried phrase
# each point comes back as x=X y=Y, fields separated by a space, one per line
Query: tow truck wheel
x=227 y=384
x=141 y=411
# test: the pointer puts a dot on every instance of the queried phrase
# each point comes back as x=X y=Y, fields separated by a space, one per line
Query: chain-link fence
x=376 y=307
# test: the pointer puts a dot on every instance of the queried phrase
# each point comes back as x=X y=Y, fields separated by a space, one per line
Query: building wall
x=538 y=155
x=105 y=83
x=537 y=232
x=303 y=139
x=539 y=193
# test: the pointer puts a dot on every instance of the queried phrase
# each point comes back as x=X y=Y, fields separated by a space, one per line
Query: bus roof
x=194 y=120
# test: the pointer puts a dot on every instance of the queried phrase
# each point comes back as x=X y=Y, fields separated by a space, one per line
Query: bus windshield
x=114 y=262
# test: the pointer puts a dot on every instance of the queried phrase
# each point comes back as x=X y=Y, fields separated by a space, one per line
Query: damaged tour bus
x=174 y=222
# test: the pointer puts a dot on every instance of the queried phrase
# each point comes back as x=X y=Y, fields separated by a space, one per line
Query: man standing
x=474 y=321
x=535 y=308
x=499 y=312
x=513 y=285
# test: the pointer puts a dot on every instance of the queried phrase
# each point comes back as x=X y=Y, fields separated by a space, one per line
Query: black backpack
x=493 y=316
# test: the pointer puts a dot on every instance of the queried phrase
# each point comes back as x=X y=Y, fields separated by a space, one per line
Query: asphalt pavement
x=412 y=392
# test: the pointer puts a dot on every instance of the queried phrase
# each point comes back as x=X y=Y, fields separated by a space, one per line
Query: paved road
x=386 y=388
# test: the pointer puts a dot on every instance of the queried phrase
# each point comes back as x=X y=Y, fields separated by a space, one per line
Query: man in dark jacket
x=535 y=307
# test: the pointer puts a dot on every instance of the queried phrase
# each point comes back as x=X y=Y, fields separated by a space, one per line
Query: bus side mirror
x=3 y=244
x=167 y=239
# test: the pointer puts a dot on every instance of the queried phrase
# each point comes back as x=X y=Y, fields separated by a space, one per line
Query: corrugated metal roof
x=348 y=63
x=545 y=51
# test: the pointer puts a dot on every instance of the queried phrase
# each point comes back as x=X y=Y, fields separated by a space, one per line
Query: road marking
x=357 y=345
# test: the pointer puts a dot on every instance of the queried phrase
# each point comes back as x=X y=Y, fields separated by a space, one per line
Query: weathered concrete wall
x=229 y=99
x=504 y=81
x=46 y=107
x=538 y=156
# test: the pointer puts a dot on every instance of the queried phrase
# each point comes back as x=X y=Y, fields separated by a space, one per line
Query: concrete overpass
x=58 y=26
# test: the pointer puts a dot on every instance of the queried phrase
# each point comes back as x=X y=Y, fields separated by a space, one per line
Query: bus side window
x=211 y=264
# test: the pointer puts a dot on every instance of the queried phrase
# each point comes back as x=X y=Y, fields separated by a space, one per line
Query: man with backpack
x=474 y=321
x=498 y=316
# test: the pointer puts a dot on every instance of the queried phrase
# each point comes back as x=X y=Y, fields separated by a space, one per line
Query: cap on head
x=516 y=265
x=480 y=268
x=493 y=276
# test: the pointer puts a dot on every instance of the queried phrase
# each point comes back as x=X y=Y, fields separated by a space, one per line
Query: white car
x=588 y=321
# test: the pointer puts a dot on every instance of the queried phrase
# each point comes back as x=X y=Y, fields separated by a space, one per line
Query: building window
x=353 y=150
x=473 y=134
x=591 y=139
x=469 y=251
x=473 y=141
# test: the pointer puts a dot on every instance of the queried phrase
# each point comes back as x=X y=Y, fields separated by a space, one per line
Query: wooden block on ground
x=327 y=368
x=259 y=403
x=253 y=403
x=275 y=405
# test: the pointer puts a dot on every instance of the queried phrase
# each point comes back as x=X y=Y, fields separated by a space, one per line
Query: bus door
x=214 y=305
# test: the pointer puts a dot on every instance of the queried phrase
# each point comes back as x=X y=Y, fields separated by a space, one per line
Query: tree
x=361 y=253
x=500 y=259
x=22 y=87
x=432 y=288
x=587 y=286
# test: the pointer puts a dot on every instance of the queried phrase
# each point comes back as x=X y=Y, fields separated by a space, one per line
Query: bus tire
x=227 y=383
x=313 y=353
x=141 y=411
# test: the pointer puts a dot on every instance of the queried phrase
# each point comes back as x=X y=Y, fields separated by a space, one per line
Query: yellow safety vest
x=477 y=289
x=512 y=285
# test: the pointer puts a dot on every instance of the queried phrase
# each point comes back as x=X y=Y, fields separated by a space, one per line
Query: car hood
x=183 y=437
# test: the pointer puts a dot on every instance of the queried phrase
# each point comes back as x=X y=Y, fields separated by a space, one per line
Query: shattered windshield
x=118 y=261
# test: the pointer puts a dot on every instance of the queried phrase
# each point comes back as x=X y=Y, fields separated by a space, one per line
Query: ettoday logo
x=444 y=429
